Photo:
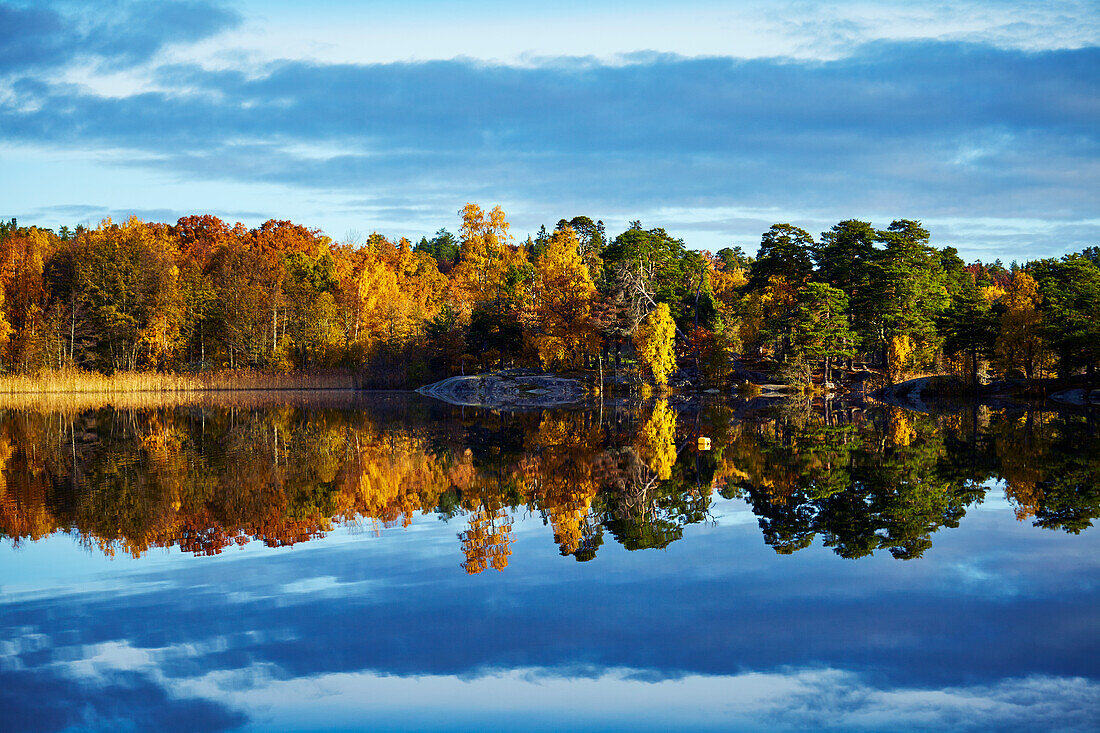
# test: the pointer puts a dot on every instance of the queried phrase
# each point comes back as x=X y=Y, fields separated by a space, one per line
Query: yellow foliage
x=992 y=293
x=1019 y=344
x=1026 y=498
x=23 y=513
x=487 y=542
x=392 y=480
x=558 y=474
x=752 y=321
x=657 y=440
x=487 y=254
x=897 y=356
x=780 y=295
x=5 y=327
x=161 y=334
x=388 y=292
x=653 y=343
x=900 y=430
x=726 y=286
x=561 y=304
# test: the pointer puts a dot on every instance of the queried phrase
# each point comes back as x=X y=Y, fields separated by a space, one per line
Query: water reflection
x=208 y=478
x=334 y=568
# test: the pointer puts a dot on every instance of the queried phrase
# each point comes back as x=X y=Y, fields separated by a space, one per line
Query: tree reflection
x=487 y=542
x=206 y=479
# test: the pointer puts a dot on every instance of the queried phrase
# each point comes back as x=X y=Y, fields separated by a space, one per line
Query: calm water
x=394 y=563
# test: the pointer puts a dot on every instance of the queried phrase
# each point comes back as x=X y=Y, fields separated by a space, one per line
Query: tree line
x=201 y=295
x=208 y=479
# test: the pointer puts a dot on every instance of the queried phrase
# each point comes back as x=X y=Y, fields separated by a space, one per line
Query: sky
x=713 y=120
x=994 y=628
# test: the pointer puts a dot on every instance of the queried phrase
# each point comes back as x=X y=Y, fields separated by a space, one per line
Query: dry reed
x=79 y=381
x=76 y=402
x=77 y=389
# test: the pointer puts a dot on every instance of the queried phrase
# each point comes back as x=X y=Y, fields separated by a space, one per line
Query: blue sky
x=711 y=119
x=994 y=628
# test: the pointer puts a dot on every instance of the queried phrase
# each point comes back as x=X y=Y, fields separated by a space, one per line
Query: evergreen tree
x=785 y=251
x=909 y=294
x=969 y=328
x=821 y=331
x=1071 y=303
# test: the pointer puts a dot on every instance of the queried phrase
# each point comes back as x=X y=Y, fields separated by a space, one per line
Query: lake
x=390 y=562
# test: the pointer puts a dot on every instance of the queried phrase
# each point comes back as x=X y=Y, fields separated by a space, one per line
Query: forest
x=202 y=296
x=207 y=479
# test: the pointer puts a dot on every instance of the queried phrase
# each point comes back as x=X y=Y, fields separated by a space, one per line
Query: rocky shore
x=508 y=388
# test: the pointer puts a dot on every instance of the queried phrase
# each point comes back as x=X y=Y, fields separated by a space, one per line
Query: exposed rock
x=741 y=374
x=1076 y=397
x=513 y=388
x=906 y=394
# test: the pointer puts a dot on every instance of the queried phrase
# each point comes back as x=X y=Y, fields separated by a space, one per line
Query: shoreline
x=69 y=390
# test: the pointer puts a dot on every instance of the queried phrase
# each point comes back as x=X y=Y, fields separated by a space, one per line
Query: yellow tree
x=349 y=262
x=561 y=325
x=386 y=292
x=382 y=305
x=126 y=277
x=488 y=540
x=392 y=478
x=898 y=351
x=653 y=344
x=656 y=442
x=490 y=285
x=726 y=285
x=23 y=298
x=421 y=283
x=558 y=476
x=1019 y=341
x=778 y=307
x=5 y=327
x=485 y=253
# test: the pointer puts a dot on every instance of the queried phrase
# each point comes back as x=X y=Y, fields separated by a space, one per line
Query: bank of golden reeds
x=76 y=389
x=75 y=402
x=79 y=381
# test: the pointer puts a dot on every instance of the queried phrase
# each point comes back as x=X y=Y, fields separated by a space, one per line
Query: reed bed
x=82 y=382
x=75 y=390
x=77 y=402
x=252 y=380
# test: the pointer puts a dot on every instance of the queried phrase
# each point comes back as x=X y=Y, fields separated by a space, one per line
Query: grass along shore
x=78 y=381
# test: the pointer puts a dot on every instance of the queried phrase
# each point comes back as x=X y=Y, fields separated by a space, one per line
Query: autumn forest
x=210 y=478
x=202 y=296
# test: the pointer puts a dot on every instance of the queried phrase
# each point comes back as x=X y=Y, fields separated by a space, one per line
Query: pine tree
x=821 y=330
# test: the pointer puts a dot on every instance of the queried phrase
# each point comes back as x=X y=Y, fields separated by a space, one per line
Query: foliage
x=1070 y=290
x=211 y=477
x=560 y=321
x=821 y=331
x=785 y=252
x=653 y=344
x=204 y=295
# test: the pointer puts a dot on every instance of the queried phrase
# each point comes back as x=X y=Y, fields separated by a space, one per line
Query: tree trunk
x=974 y=369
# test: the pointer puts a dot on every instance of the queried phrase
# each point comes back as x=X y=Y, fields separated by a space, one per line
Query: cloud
x=90 y=214
x=414 y=613
x=926 y=130
x=1011 y=640
x=52 y=699
x=114 y=34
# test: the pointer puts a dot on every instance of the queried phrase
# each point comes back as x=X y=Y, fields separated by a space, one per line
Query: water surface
x=393 y=563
